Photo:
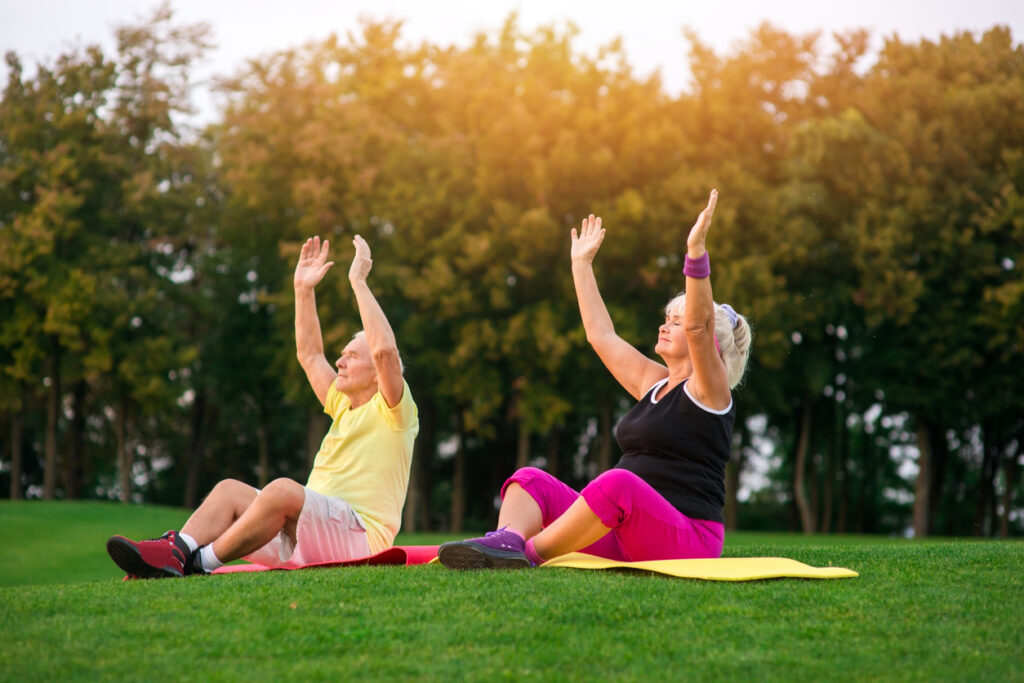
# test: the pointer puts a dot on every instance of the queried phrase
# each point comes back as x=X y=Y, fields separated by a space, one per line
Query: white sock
x=189 y=541
x=209 y=559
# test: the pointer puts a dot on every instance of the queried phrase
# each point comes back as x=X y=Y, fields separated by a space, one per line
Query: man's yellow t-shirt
x=365 y=460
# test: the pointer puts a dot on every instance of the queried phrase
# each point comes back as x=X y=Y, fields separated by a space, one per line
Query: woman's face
x=671 y=337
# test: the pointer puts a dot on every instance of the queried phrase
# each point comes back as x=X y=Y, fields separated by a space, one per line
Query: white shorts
x=328 y=530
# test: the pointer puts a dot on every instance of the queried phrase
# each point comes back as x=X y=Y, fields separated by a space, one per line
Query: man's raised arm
x=379 y=335
x=309 y=341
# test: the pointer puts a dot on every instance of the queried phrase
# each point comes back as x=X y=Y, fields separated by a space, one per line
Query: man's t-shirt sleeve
x=402 y=415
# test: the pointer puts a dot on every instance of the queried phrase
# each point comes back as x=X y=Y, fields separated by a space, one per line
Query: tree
x=926 y=261
x=85 y=144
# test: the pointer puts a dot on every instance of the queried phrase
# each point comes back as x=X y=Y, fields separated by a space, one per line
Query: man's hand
x=361 y=262
x=309 y=342
x=379 y=335
x=313 y=263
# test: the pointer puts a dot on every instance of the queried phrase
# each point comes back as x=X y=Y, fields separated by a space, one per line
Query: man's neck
x=361 y=398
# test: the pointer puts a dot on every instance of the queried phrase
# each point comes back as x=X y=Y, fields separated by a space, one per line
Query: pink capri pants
x=644 y=526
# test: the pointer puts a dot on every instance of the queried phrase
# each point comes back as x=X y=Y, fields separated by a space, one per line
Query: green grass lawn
x=933 y=610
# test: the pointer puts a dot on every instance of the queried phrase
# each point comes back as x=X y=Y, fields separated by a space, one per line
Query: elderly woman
x=664 y=498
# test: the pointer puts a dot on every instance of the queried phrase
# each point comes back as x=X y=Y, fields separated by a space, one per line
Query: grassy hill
x=947 y=610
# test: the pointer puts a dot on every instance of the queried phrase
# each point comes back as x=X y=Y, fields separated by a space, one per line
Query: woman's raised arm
x=632 y=369
x=710 y=384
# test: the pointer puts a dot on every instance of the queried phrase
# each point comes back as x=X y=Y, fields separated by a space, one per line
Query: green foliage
x=870 y=229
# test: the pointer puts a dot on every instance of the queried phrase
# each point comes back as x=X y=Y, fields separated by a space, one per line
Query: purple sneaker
x=499 y=549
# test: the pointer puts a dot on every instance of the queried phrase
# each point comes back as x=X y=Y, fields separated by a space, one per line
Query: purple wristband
x=697 y=267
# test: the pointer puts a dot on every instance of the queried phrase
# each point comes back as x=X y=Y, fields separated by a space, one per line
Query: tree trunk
x=923 y=487
x=993 y=511
x=1010 y=475
x=52 y=416
x=196 y=451
x=829 y=481
x=416 y=514
x=458 y=506
x=938 y=464
x=802 y=447
x=263 y=449
x=732 y=481
x=316 y=429
x=998 y=444
x=124 y=454
x=732 y=485
x=844 y=477
x=410 y=511
x=522 y=444
x=73 y=470
x=986 y=483
x=17 y=431
x=869 y=488
x=812 y=482
x=553 y=452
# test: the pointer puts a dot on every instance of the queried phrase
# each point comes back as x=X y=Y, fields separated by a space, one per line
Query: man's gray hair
x=401 y=365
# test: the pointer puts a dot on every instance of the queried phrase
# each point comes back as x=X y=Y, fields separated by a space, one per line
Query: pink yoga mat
x=399 y=554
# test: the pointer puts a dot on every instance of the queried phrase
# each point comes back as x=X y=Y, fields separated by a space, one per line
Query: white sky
x=651 y=29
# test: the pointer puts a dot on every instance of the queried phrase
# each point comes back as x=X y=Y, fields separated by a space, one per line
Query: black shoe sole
x=126 y=556
x=469 y=555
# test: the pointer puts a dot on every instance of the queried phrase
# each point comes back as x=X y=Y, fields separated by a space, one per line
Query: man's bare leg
x=276 y=508
x=228 y=500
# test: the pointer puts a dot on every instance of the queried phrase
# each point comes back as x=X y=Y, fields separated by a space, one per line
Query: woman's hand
x=695 y=247
x=313 y=263
x=361 y=262
x=586 y=244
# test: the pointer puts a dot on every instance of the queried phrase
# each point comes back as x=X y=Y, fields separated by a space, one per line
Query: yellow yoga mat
x=721 y=569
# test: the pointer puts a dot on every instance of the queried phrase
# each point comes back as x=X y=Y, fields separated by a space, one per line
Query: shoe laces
x=171 y=536
x=505 y=536
x=496 y=532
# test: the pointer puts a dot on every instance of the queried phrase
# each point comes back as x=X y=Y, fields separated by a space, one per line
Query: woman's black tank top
x=680 y=448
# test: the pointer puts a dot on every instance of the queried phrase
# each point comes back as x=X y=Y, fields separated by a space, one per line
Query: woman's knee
x=529 y=473
x=611 y=495
x=526 y=475
x=523 y=477
x=616 y=479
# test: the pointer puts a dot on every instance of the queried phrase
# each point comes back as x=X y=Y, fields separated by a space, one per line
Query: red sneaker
x=156 y=558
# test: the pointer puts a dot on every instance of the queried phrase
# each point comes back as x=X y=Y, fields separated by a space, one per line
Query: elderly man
x=351 y=506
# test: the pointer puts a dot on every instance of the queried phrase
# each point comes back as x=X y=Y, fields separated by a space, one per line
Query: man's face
x=355 y=368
